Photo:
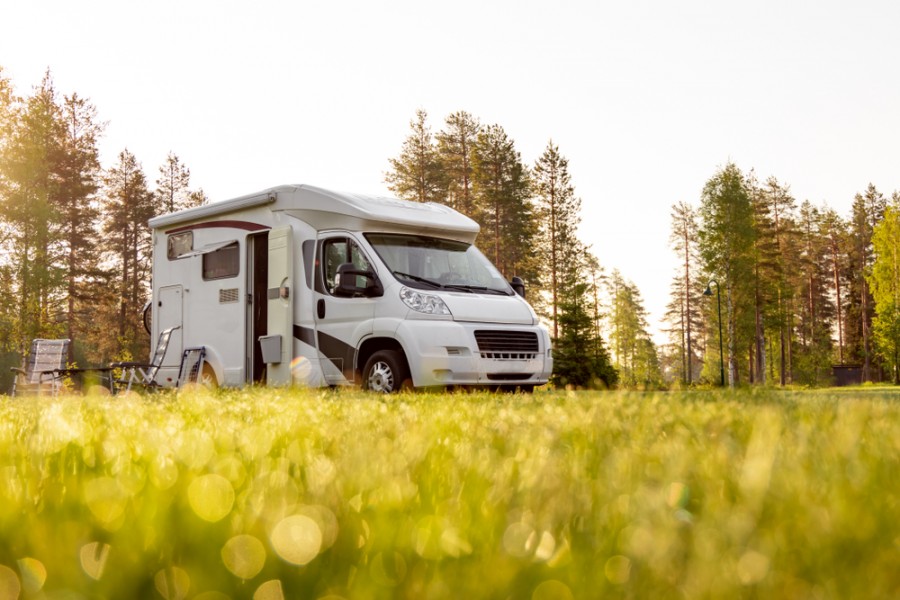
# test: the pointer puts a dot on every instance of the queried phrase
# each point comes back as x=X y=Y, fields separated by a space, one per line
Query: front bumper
x=443 y=353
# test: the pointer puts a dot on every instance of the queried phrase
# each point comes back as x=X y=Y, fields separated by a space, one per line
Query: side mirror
x=518 y=286
x=348 y=283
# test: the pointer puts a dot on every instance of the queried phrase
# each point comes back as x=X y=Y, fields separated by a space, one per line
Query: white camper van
x=301 y=285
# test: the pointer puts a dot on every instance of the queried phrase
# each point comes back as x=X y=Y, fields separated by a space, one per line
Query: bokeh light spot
x=211 y=496
x=752 y=567
x=105 y=499
x=388 y=569
x=244 y=556
x=9 y=584
x=552 y=590
x=325 y=519
x=270 y=590
x=297 y=539
x=196 y=449
x=618 y=569
x=300 y=369
x=255 y=442
x=34 y=574
x=172 y=583
x=163 y=472
x=427 y=538
x=519 y=540
x=93 y=559
x=546 y=546
x=454 y=544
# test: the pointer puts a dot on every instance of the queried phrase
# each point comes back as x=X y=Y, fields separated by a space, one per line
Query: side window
x=179 y=244
x=337 y=251
x=222 y=263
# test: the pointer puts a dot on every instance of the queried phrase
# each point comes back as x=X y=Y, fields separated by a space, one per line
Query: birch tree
x=884 y=281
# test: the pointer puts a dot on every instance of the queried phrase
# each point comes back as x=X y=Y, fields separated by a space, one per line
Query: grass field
x=272 y=494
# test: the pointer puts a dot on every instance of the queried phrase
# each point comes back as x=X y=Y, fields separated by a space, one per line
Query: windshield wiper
x=477 y=288
x=417 y=278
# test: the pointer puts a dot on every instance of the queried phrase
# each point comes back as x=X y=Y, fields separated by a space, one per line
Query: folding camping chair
x=191 y=370
x=142 y=373
x=40 y=373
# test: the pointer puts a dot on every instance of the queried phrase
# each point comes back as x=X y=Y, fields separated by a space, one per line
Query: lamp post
x=708 y=292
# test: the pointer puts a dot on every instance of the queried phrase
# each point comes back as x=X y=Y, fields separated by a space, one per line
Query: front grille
x=507 y=345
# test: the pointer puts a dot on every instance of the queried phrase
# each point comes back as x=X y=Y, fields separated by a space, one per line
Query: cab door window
x=337 y=251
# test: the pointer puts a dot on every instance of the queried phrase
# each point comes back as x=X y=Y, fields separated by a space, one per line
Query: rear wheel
x=386 y=372
x=207 y=377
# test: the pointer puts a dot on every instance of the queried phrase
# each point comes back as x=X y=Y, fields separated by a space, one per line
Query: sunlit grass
x=272 y=494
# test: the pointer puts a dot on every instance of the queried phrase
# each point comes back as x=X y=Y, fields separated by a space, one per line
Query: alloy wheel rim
x=381 y=378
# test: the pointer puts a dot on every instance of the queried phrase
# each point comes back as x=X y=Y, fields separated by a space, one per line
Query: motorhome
x=306 y=286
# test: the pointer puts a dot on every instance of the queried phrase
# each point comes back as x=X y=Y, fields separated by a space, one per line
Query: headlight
x=423 y=303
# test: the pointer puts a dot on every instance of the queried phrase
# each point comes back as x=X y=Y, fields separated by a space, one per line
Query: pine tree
x=867 y=211
x=30 y=163
x=8 y=104
x=634 y=354
x=501 y=190
x=726 y=239
x=456 y=146
x=417 y=173
x=79 y=172
x=815 y=314
x=173 y=186
x=774 y=290
x=581 y=359
x=558 y=216
x=682 y=312
x=128 y=204
x=834 y=231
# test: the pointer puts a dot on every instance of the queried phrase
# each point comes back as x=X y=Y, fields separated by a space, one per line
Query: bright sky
x=645 y=99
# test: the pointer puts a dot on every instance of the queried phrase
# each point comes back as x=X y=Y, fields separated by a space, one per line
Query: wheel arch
x=372 y=345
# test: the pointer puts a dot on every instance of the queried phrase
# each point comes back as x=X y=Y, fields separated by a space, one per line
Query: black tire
x=386 y=372
x=524 y=388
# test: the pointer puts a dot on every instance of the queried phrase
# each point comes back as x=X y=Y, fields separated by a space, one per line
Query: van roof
x=328 y=209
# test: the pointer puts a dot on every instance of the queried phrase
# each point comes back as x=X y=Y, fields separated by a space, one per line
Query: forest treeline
x=74 y=240
x=800 y=287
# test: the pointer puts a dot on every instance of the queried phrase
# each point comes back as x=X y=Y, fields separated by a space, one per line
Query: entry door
x=169 y=314
x=280 y=303
x=341 y=323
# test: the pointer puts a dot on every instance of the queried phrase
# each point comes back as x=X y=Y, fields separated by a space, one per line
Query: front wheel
x=386 y=372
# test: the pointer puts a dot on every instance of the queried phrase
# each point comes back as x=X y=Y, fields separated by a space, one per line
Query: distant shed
x=852 y=374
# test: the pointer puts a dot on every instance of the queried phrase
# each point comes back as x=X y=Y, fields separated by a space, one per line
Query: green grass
x=309 y=494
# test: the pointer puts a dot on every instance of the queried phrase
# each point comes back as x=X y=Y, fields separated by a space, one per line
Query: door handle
x=320 y=308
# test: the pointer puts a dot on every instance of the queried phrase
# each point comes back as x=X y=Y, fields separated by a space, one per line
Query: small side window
x=222 y=263
x=179 y=244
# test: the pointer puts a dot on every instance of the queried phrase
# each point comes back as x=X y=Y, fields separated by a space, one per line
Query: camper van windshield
x=430 y=263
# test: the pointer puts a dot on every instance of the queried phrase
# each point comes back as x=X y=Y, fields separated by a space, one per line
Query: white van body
x=253 y=281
